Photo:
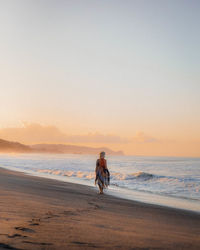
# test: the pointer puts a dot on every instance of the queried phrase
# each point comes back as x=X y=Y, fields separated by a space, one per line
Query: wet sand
x=39 y=213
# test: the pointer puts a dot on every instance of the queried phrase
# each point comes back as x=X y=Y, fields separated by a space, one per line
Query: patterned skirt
x=103 y=177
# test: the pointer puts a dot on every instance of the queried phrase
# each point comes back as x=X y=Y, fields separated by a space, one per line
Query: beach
x=41 y=213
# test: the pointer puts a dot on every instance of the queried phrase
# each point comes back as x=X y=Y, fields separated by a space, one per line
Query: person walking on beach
x=102 y=173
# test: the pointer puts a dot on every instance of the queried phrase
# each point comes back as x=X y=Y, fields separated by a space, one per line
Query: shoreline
x=127 y=194
x=41 y=213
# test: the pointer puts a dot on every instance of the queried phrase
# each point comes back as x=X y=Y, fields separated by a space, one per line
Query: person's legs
x=100 y=189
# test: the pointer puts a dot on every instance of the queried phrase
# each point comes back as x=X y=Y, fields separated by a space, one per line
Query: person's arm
x=106 y=165
x=96 y=169
x=97 y=166
x=107 y=172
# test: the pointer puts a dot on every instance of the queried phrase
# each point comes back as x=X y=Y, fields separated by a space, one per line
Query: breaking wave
x=91 y=175
x=139 y=176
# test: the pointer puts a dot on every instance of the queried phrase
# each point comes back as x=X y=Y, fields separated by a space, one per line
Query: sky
x=123 y=74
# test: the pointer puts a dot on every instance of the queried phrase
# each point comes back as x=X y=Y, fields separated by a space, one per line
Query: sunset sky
x=124 y=74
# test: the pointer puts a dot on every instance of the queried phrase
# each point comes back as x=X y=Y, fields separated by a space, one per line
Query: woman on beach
x=102 y=173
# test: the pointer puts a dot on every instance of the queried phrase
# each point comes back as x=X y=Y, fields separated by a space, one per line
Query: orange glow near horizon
x=138 y=144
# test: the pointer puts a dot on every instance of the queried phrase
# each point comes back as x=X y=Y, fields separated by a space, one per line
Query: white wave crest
x=91 y=175
x=138 y=176
x=78 y=174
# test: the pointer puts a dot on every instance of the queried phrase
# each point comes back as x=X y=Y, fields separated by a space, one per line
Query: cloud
x=37 y=133
x=32 y=133
x=97 y=138
x=141 y=137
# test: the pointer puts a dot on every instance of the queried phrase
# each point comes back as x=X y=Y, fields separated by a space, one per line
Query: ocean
x=166 y=181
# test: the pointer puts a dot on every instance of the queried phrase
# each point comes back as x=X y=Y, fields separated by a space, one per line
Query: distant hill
x=71 y=149
x=16 y=147
x=9 y=147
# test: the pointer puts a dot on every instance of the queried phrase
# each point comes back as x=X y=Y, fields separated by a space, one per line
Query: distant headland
x=16 y=147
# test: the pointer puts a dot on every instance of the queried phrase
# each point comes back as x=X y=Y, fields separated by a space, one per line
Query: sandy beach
x=39 y=213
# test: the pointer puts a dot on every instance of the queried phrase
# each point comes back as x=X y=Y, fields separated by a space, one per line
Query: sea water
x=168 y=181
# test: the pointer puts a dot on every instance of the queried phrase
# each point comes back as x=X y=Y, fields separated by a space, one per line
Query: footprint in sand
x=84 y=244
x=16 y=235
x=6 y=246
x=4 y=234
x=95 y=206
x=50 y=214
x=25 y=229
x=69 y=212
x=34 y=222
x=38 y=243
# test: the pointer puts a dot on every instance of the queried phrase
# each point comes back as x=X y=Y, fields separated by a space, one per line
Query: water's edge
x=139 y=196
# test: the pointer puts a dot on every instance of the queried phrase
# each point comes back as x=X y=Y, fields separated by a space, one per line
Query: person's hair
x=102 y=154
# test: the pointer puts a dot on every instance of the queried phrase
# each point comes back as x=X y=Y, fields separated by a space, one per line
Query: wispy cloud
x=97 y=138
x=141 y=137
x=32 y=133
x=35 y=133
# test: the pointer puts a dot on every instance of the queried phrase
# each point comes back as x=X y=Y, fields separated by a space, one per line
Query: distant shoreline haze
x=16 y=147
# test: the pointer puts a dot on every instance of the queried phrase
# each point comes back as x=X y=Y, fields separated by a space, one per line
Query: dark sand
x=38 y=213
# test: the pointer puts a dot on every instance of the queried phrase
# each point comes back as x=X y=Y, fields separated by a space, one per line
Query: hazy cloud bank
x=37 y=133
x=143 y=138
